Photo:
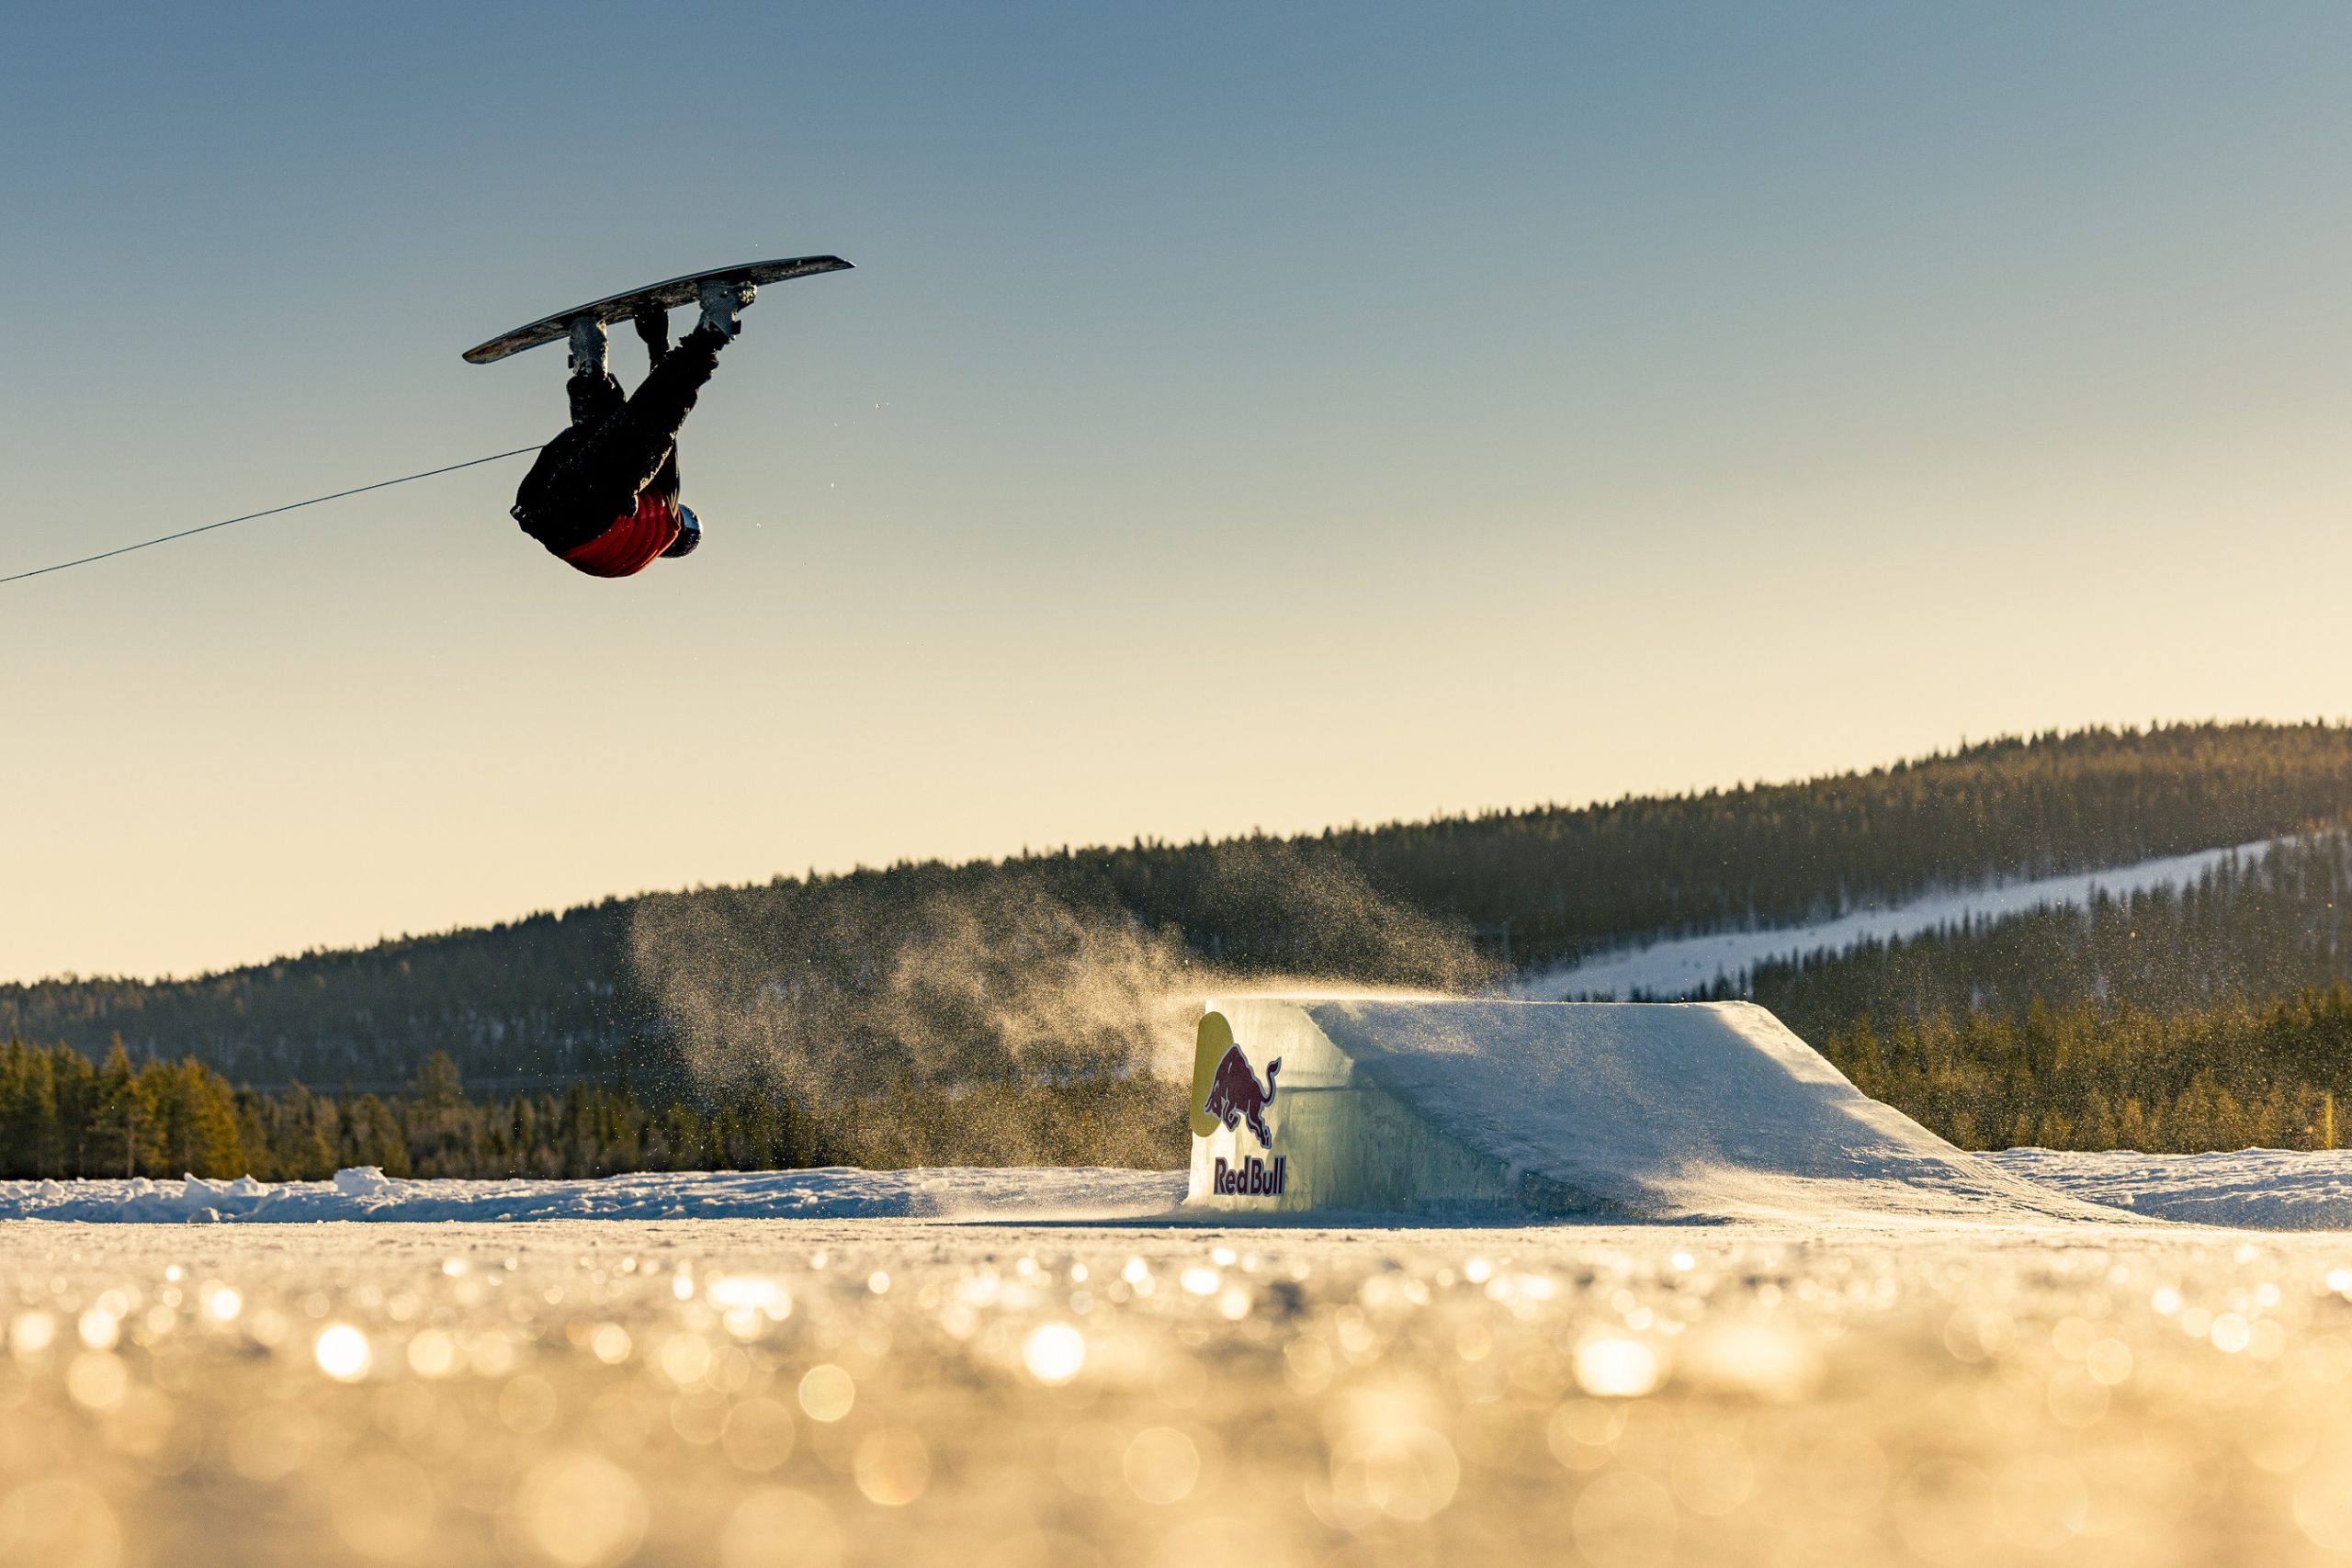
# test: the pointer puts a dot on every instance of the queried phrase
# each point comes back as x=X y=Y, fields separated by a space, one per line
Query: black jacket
x=616 y=448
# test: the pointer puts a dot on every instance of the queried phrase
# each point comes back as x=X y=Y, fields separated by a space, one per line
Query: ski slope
x=1681 y=966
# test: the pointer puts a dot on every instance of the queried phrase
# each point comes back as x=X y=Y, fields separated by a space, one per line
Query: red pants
x=634 y=540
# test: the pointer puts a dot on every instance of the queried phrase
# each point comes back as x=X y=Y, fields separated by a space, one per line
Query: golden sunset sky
x=1240 y=416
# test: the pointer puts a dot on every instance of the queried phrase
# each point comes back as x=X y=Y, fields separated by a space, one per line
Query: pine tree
x=121 y=1122
x=299 y=1146
x=197 y=1129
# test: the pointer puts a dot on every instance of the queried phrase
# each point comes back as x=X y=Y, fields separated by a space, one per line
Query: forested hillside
x=64 y=1116
x=536 y=998
x=2231 y=1076
x=522 y=1006
x=2268 y=926
x=1783 y=853
x=2211 y=1017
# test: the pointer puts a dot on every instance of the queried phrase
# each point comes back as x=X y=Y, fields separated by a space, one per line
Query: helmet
x=689 y=535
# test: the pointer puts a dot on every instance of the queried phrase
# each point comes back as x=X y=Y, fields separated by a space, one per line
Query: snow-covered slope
x=1681 y=966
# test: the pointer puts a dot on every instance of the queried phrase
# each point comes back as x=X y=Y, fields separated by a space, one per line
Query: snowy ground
x=1683 y=966
x=1001 y=1389
x=2255 y=1189
x=836 y=1194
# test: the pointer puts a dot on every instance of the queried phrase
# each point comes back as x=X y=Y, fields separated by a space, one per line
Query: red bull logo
x=1235 y=1095
x=1227 y=1092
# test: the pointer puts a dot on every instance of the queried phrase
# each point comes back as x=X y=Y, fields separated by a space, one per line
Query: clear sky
x=1242 y=415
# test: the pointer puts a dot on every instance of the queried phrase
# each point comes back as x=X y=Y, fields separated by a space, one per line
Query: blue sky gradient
x=1241 y=415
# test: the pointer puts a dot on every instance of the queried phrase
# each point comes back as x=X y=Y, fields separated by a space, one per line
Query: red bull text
x=1253 y=1178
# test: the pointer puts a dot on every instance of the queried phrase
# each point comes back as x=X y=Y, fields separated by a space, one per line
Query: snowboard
x=666 y=295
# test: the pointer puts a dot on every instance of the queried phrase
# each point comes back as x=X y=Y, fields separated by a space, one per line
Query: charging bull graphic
x=1236 y=1096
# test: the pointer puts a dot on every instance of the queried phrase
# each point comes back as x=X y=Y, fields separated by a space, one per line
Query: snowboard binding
x=724 y=299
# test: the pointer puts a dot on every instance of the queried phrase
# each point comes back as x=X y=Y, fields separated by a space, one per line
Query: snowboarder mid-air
x=604 y=493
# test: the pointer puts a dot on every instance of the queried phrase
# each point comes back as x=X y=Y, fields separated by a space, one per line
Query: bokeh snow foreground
x=835 y=1394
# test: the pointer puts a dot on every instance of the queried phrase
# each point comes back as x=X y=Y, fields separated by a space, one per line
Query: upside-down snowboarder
x=603 y=494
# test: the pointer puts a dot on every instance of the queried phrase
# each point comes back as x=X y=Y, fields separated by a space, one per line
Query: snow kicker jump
x=1590 y=1110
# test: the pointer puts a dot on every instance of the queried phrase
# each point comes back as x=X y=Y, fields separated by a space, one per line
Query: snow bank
x=2263 y=1190
x=835 y=1193
x=1681 y=966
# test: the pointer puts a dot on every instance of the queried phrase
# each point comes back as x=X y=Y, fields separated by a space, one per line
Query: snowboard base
x=667 y=296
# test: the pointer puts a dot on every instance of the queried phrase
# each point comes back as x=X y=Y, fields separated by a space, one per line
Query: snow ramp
x=1625 y=1110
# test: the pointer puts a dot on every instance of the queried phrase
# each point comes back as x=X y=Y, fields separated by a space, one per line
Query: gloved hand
x=654 y=331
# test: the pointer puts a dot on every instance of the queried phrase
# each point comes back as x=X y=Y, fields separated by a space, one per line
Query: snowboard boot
x=723 y=299
x=689 y=535
x=588 y=346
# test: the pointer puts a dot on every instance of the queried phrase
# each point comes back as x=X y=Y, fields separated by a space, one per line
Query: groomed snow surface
x=1682 y=967
x=2263 y=1190
x=2271 y=1189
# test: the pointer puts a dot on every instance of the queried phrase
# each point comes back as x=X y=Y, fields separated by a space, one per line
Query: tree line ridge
x=1442 y=902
